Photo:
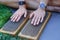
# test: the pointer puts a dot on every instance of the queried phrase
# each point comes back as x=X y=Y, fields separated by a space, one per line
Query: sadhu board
x=14 y=27
x=33 y=32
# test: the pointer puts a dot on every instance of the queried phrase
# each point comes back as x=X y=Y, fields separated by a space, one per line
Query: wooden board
x=53 y=8
x=14 y=27
x=53 y=5
x=32 y=32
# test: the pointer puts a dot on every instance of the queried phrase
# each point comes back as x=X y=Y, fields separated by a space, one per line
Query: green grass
x=5 y=13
